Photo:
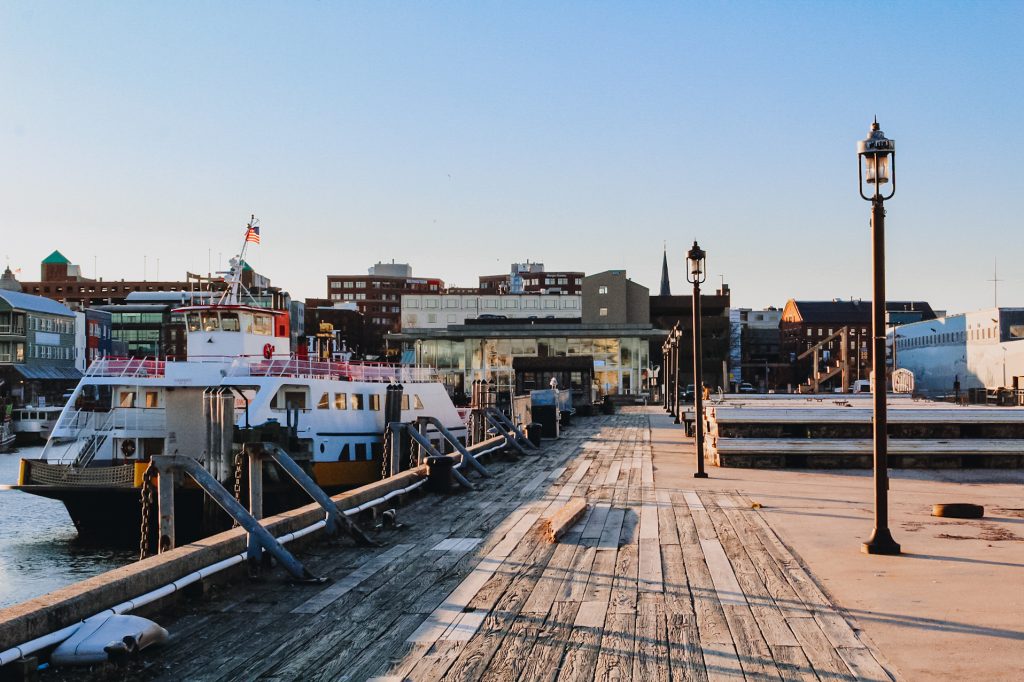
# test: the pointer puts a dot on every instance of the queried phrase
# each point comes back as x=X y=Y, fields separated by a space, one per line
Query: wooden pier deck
x=651 y=584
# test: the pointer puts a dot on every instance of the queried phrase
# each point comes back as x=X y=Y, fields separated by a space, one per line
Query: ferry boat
x=240 y=377
x=33 y=423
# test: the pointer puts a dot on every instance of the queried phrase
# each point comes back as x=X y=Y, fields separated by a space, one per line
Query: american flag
x=252 y=234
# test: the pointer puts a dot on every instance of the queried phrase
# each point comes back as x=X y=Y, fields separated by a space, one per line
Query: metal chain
x=146 y=504
x=385 y=464
x=238 y=483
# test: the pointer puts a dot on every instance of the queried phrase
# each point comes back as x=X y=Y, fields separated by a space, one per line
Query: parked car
x=746 y=388
x=686 y=396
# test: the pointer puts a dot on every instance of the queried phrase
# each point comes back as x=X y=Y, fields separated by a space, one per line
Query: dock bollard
x=439 y=474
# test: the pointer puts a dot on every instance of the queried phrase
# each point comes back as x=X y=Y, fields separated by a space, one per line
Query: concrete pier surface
x=749 y=574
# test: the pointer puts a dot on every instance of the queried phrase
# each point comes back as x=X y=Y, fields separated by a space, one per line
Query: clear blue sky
x=462 y=136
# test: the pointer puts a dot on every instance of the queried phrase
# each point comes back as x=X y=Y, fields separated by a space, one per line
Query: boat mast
x=233 y=277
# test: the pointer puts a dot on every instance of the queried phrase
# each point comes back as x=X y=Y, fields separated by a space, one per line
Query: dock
x=653 y=582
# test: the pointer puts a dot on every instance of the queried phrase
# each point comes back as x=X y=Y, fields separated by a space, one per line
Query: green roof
x=246 y=266
x=56 y=257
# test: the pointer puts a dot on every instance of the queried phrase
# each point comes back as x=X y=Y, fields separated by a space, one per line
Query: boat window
x=417 y=404
x=127 y=399
x=245 y=322
x=344 y=454
x=376 y=450
x=405 y=401
x=375 y=402
x=340 y=401
x=357 y=401
x=261 y=325
x=152 y=398
x=325 y=402
x=363 y=451
x=193 y=322
x=229 y=322
x=295 y=399
x=210 y=322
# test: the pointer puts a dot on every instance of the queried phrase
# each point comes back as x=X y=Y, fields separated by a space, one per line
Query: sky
x=462 y=137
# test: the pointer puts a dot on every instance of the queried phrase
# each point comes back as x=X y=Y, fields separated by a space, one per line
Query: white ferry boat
x=240 y=379
x=33 y=423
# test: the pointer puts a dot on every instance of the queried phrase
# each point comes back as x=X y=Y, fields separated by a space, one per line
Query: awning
x=52 y=372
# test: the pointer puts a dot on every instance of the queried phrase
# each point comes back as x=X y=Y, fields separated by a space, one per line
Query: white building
x=437 y=311
x=981 y=349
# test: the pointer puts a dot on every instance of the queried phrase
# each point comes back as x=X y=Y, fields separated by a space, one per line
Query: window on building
x=335 y=285
x=360 y=285
x=602 y=290
x=603 y=312
x=432 y=318
x=347 y=285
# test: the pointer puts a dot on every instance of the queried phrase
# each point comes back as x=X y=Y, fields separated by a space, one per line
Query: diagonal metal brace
x=432 y=451
x=467 y=457
x=503 y=430
x=336 y=520
x=510 y=426
x=168 y=465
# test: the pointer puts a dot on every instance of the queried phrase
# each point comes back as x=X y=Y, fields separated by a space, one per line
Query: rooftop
x=36 y=304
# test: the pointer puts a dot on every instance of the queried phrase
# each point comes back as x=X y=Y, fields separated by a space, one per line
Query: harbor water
x=39 y=548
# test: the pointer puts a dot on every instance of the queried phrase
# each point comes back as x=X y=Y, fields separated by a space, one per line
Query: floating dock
x=651 y=583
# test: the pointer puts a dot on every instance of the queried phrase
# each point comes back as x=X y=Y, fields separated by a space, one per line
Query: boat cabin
x=236 y=330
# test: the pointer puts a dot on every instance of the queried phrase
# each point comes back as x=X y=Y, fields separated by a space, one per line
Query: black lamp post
x=696 y=275
x=677 y=337
x=876 y=164
x=664 y=374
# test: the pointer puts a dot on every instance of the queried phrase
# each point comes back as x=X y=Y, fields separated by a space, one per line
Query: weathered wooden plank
x=595 y=526
x=615 y=660
x=651 y=662
x=792 y=663
x=335 y=591
x=551 y=642
x=863 y=664
x=650 y=575
x=819 y=651
x=755 y=656
x=584 y=642
x=686 y=658
x=612 y=531
x=625 y=584
x=726 y=586
x=612 y=476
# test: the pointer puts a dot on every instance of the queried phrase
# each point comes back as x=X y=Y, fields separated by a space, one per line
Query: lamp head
x=876 y=159
x=695 y=259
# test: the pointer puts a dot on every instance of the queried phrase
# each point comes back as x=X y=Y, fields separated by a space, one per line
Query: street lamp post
x=696 y=276
x=875 y=155
x=678 y=335
x=664 y=374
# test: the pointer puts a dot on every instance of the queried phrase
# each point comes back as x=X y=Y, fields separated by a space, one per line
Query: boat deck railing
x=276 y=366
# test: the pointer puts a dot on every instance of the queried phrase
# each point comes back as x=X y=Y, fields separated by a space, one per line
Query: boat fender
x=128 y=448
x=268 y=350
x=107 y=636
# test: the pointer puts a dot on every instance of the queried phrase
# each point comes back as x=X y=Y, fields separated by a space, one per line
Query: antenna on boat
x=233 y=277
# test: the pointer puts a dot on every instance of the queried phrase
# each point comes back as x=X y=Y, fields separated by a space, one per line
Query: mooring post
x=395 y=434
x=165 y=495
x=255 y=457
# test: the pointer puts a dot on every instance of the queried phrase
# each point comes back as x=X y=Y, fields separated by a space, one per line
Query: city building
x=818 y=327
x=531 y=278
x=37 y=348
x=93 y=337
x=438 y=311
x=983 y=349
x=594 y=353
x=61 y=280
x=610 y=297
x=716 y=335
x=378 y=296
x=760 y=339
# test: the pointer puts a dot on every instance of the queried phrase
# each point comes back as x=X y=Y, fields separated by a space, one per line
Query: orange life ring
x=268 y=351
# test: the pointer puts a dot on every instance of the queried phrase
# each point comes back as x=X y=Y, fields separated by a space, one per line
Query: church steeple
x=666 y=289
